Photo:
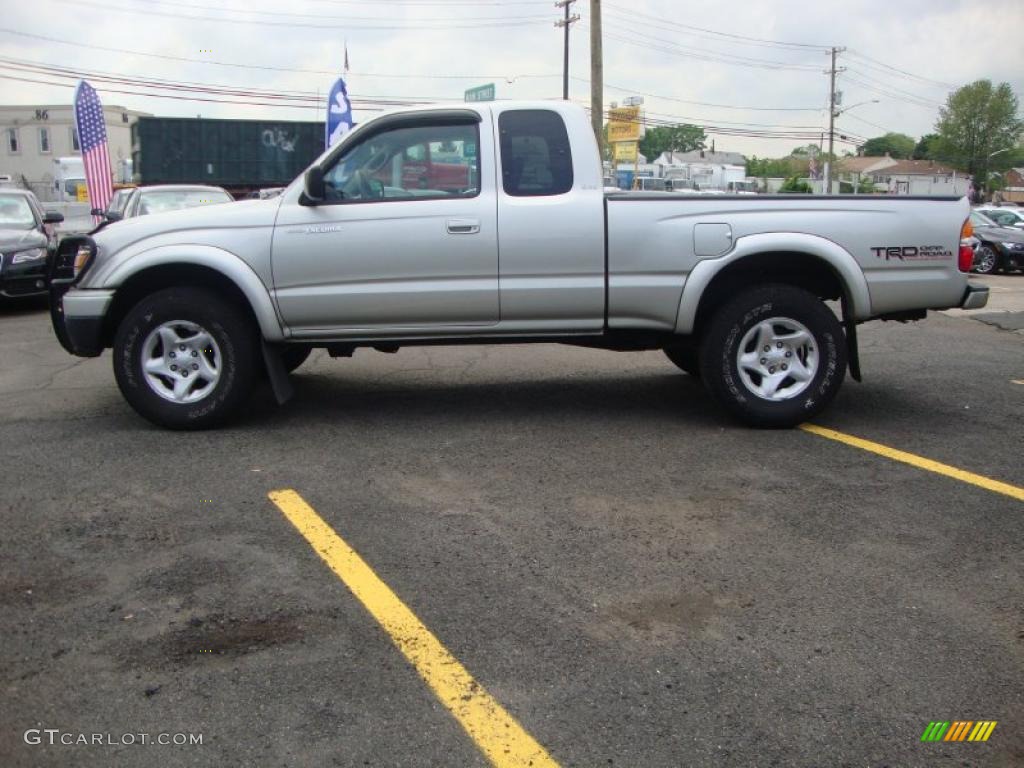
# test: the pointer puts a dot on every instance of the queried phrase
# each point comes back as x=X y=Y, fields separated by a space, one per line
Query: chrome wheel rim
x=181 y=361
x=987 y=261
x=777 y=359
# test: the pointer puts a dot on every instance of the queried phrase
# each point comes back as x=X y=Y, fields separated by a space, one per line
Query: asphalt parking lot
x=635 y=580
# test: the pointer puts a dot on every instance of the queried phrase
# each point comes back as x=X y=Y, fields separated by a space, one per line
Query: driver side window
x=415 y=163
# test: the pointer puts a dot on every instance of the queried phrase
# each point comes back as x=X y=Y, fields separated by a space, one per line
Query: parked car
x=26 y=236
x=142 y=201
x=198 y=306
x=1004 y=217
x=999 y=248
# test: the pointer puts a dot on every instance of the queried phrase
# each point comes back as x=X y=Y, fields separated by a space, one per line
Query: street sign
x=625 y=151
x=481 y=93
x=624 y=124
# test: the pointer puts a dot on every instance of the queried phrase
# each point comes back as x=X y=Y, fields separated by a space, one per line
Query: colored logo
x=959 y=730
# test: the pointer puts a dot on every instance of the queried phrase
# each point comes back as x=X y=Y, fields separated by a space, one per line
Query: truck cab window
x=432 y=162
x=535 y=155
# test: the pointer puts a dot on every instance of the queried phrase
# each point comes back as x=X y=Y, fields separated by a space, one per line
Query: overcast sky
x=713 y=63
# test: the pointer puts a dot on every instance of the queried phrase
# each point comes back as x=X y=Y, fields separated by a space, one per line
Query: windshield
x=15 y=213
x=118 y=201
x=979 y=220
x=177 y=199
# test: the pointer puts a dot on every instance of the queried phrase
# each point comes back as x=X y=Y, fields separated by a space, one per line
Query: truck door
x=384 y=250
x=551 y=223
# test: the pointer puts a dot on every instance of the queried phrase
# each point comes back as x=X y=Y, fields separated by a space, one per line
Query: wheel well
x=799 y=269
x=148 y=281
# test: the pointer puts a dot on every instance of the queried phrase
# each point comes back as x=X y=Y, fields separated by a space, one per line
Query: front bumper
x=77 y=318
x=975 y=297
x=18 y=280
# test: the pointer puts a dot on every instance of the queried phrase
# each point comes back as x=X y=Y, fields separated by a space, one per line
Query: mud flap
x=852 y=352
x=280 y=382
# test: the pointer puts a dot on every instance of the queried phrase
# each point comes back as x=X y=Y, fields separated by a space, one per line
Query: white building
x=35 y=135
x=706 y=169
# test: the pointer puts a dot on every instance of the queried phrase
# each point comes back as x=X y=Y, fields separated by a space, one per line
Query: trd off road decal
x=913 y=252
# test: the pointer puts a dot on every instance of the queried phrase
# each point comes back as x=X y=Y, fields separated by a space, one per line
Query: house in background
x=705 y=169
x=1014 y=190
x=920 y=177
x=851 y=172
x=35 y=136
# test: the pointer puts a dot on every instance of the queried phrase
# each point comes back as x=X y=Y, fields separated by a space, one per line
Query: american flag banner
x=92 y=138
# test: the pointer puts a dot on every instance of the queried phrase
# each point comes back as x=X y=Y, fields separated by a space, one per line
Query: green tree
x=794 y=185
x=897 y=145
x=978 y=120
x=677 y=138
x=927 y=148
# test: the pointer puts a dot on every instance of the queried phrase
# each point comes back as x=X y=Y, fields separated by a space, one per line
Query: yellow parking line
x=996 y=486
x=497 y=734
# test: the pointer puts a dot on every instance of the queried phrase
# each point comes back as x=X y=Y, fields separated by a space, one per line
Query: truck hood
x=12 y=240
x=185 y=225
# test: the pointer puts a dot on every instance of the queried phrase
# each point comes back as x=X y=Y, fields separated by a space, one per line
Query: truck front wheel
x=184 y=358
x=774 y=356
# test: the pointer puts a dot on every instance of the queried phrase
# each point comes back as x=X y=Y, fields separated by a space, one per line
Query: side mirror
x=113 y=216
x=313 y=186
x=53 y=217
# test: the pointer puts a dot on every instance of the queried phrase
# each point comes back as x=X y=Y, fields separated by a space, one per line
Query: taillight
x=966 y=260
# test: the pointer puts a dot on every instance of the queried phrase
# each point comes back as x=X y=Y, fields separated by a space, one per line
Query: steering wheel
x=365 y=193
x=369 y=189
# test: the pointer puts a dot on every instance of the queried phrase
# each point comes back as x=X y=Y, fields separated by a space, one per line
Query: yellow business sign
x=625 y=151
x=82 y=193
x=624 y=124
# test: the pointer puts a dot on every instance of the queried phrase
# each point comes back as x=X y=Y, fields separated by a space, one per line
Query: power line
x=230 y=9
x=905 y=73
x=264 y=67
x=703 y=31
x=675 y=50
x=444 y=25
x=724 y=57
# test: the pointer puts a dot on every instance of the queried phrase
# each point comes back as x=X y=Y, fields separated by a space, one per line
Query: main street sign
x=481 y=93
x=624 y=124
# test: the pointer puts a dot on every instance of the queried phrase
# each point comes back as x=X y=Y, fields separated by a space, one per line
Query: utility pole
x=596 y=74
x=831 y=72
x=566 y=22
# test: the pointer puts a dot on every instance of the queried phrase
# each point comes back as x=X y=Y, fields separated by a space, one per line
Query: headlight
x=1013 y=246
x=32 y=254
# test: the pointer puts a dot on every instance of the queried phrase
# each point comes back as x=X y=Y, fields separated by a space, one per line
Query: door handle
x=463 y=226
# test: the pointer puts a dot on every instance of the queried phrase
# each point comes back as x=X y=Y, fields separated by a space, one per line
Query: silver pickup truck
x=489 y=224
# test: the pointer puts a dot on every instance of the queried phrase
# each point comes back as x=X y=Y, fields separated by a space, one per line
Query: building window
x=44 y=141
x=74 y=139
x=13 y=144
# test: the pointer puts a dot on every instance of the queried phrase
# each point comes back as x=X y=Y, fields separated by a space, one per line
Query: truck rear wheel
x=184 y=358
x=774 y=356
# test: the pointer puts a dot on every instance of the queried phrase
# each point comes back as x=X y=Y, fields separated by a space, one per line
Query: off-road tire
x=232 y=331
x=686 y=358
x=730 y=325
